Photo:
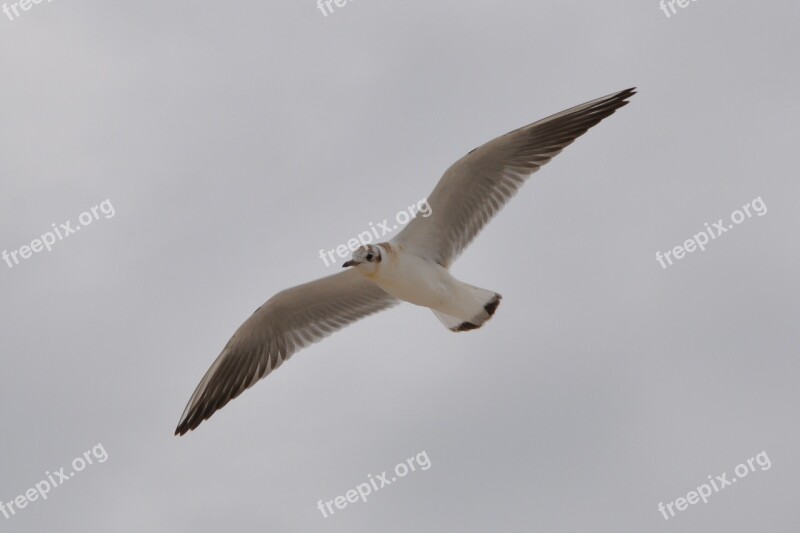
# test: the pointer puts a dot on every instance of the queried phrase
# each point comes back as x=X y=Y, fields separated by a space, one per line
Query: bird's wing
x=287 y=322
x=479 y=184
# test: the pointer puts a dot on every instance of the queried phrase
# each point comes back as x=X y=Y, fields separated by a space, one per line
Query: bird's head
x=366 y=259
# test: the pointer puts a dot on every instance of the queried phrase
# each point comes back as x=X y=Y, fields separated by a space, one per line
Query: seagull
x=413 y=267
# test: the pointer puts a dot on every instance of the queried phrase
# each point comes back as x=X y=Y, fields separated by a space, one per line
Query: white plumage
x=413 y=267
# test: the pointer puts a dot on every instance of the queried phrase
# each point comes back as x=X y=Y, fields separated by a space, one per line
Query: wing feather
x=477 y=186
x=287 y=322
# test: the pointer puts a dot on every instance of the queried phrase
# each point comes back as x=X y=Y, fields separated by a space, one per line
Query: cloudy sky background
x=236 y=140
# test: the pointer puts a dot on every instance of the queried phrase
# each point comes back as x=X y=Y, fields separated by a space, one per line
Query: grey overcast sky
x=235 y=140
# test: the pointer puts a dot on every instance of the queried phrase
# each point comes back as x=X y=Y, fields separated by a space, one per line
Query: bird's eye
x=370 y=256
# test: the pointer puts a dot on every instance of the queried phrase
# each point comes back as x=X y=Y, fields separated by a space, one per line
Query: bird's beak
x=349 y=264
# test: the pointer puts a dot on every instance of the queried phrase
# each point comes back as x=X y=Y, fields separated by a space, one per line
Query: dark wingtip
x=616 y=100
x=185 y=426
x=491 y=307
x=622 y=97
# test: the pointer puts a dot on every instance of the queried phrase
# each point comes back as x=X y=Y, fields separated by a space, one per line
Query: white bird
x=413 y=267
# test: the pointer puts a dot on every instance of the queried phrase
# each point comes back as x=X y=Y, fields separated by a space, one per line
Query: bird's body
x=424 y=282
x=413 y=267
x=412 y=278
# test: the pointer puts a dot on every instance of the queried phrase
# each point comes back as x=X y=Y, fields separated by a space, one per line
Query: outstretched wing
x=287 y=322
x=479 y=184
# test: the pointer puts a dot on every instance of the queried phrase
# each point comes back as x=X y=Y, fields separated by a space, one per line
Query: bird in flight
x=413 y=267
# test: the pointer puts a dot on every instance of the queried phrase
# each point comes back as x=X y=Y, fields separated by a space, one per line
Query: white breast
x=414 y=279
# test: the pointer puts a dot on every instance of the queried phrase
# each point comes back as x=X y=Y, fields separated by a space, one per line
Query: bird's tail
x=486 y=303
